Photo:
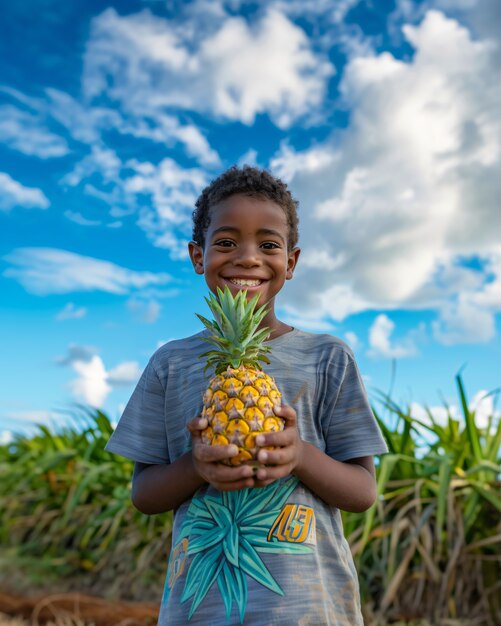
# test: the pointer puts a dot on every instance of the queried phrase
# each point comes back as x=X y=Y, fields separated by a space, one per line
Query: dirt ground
x=73 y=609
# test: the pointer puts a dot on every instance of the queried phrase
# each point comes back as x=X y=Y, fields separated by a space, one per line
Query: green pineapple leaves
x=234 y=331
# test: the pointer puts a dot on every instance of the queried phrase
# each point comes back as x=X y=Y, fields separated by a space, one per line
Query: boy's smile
x=246 y=248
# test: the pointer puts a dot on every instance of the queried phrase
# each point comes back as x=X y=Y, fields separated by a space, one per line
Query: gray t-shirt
x=274 y=556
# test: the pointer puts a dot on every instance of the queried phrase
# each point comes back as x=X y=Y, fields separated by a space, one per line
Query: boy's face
x=246 y=248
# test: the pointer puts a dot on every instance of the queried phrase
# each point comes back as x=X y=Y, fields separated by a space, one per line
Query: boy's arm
x=348 y=485
x=160 y=488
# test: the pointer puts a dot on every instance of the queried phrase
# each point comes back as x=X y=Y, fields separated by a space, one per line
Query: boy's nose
x=248 y=257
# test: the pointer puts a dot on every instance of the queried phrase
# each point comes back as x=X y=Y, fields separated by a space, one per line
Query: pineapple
x=240 y=399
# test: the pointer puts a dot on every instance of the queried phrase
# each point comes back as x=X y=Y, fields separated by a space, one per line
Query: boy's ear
x=292 y=259
x=197 y=257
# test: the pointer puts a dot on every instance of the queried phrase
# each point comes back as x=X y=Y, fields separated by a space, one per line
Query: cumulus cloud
x=381 y=344
x=124 y=374
x=222 y=69
x=43 y=271
x=144 y=77
x=461 y=321
x=409 y=189
x=94 y=383
x=100 y=160
x=27 y=133
x=91 y=386
x=168 y=130
x=77 y=352
x=14 y=194
x=171 y=192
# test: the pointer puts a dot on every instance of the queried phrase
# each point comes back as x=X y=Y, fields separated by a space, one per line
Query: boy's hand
x=207 y=462
x=289 y=453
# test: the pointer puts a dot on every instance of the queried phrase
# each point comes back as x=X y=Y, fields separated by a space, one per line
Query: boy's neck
x=278 y=329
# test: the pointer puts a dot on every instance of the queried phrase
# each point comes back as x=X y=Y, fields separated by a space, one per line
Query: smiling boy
x=254 y=546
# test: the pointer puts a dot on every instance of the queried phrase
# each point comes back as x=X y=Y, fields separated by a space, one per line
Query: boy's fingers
x=282 y=456
x=287 y=413
x=281 y=438
x=213 y=454
x=267 y=475
x=226 y=478
x=197 y=424
x=225 y=474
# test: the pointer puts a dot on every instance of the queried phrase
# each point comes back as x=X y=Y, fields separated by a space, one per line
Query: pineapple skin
x=239 y=405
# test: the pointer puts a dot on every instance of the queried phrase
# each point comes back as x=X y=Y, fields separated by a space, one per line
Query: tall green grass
x=66 y=516
x=428 y=549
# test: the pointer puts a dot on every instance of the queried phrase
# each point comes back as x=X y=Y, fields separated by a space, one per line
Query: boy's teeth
x=245 y=283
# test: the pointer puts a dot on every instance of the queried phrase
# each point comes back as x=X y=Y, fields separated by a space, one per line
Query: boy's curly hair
x=248 y=181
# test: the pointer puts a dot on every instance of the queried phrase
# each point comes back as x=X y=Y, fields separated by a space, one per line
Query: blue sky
x=382 y=116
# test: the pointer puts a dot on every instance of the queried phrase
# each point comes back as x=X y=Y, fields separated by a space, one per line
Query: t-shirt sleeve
x=140 y=434
x=352 y=430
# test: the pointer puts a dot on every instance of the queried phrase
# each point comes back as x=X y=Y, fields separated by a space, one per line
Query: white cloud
x=14 y=194
x=71 y=312
x=352 y=340
x=94 y=383
x=84 y=123
x=146 y=311
x=6 y=437
x=91 y=386
x=44 y=271
x=488 y=294
x=461 y=321
x=430 y=416
x=331 y=11
x=173 y=190
x=27 y=133
x=78 y=218
x=482 y=404
x=228 y=68
x=381 y=344
x=77 y=352
x=288 y=163
x=168 y=130
x=486 y=413
x=249 y=157
x=308 y=322
x=468 y=316
x=124 y=374
x=409 y=187
x=100 y=160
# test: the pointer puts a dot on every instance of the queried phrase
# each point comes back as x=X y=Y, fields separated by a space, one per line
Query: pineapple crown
x=234 y=331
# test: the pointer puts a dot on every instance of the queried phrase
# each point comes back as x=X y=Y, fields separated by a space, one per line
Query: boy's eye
x=224 y=243
x=270 y=245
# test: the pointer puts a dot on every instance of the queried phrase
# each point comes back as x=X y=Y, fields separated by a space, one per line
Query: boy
x=259 y=547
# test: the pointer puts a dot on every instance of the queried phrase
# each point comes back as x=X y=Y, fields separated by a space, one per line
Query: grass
x=427 y=550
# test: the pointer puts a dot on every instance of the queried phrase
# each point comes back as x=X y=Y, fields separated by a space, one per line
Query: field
x=427 y=552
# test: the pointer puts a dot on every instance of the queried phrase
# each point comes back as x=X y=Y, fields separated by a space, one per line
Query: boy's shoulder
x=320 y=341
x=185 y=348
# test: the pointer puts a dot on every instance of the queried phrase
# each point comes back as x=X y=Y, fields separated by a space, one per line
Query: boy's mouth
x=245 y=282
